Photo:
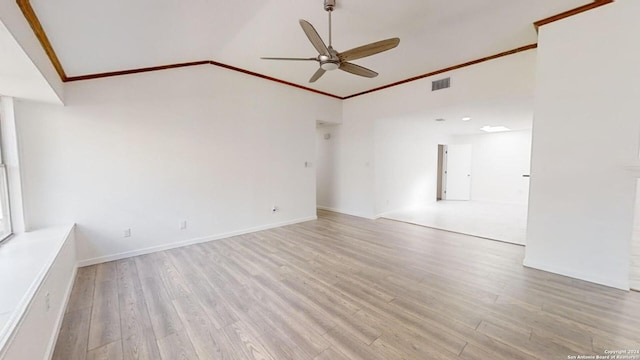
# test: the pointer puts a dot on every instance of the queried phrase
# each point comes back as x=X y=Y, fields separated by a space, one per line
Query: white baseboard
x=346 y=212
x=52 y=343
x=177 y=244
x=622 y=285
x=387 y=213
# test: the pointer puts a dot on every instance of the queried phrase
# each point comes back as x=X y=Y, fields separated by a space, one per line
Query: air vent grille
x=440 y=84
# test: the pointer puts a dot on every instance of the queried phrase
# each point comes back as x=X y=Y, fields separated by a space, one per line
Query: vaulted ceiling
x=19 y=77
x=92 y=37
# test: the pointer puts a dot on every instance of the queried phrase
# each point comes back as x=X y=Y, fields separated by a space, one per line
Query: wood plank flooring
x=339 y=288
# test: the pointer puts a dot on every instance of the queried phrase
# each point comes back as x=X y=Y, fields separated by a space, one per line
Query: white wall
x=326 y=164
x=383 y=150
x=202 y=144
x=586 y=128
x=353 y=190
x=498 y=161
x=406 y=155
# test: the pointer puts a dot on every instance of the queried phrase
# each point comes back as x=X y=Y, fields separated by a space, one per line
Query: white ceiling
x=19 y=77
x=516 y=113
x=101 y=36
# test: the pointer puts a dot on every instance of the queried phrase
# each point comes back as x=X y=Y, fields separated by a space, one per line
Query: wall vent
x=441 y=84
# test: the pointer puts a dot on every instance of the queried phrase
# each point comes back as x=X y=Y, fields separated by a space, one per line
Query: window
x=5 y=214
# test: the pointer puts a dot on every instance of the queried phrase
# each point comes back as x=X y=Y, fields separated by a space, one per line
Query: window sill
x=25 y=260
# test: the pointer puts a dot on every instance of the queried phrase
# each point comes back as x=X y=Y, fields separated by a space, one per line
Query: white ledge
x=25 y=260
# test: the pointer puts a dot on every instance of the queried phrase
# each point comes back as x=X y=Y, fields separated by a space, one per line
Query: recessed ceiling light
x=492 y=129
x=466 y=118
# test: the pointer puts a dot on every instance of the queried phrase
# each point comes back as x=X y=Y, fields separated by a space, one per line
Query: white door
x=458 y=172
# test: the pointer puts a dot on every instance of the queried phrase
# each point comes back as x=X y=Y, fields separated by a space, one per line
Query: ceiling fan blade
x=284 y=58
x=357 y=70
x=369 y=49
x=315 y=39
x=317 y=75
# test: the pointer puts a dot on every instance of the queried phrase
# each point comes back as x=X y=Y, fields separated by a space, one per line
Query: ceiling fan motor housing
x=329 y=5
x=331 y=62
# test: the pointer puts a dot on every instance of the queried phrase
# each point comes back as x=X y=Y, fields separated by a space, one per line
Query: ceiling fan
x=329 y=59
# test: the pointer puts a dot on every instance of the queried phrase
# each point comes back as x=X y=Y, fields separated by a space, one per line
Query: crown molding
x=194 y=63
x=38 y=30
x=450 y=68
x=36 y=26
x=572 y=12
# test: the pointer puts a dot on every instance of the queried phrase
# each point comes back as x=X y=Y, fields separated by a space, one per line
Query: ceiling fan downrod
x=329 y=5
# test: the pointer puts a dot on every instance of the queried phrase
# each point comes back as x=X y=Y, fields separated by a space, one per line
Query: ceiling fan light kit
x=329 y=59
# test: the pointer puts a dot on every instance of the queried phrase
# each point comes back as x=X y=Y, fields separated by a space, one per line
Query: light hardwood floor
x=341 y=288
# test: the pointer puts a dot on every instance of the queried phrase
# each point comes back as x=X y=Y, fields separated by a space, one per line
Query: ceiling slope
x=19 y=76
x=107 y=38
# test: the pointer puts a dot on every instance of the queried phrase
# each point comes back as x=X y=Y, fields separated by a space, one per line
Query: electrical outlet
x=126 y=232
x=183 y=225
x=47 y=301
